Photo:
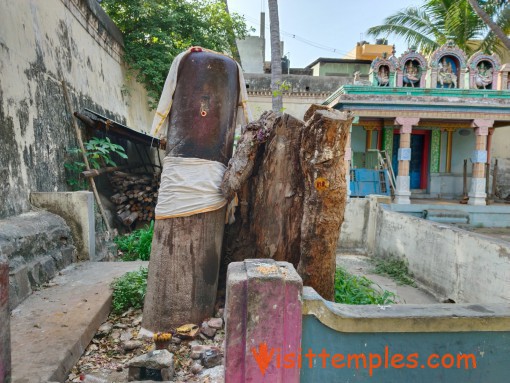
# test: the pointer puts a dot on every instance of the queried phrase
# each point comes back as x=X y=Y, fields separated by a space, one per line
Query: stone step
x=51 y=328
x=37 y=245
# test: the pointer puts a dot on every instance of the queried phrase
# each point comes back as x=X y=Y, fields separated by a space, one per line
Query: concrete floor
x=51 y=328
x=361 y=265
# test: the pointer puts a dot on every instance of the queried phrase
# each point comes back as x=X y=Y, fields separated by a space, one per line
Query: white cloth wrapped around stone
x=189 y=186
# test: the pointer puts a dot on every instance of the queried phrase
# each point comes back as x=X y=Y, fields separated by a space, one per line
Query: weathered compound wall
x=41 y=44
x=450 y=262
x=301 y=91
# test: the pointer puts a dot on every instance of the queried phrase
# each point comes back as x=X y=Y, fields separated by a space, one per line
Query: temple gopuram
x=428 y=116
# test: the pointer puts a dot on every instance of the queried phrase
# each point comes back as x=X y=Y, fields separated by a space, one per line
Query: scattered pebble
x=215 y=323
x=105 y=329
x=196 y=368
x=126 y=335
x=212 y=357
x=208 y=330
x=131 y=345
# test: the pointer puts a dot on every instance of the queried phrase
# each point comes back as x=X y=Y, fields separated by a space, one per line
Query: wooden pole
x=85 y=159
x=464 y=185
x=110 y=169
x=495 y=178
x=449 y=142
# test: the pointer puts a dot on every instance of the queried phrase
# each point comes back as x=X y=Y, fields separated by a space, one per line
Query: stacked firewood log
x=135 y=195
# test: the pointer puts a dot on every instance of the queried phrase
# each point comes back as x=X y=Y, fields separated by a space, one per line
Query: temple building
x=429 y=115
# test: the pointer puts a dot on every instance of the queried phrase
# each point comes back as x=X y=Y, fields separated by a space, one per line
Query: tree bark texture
x=270 y=191
x=186 y=251
x=290 y=180
x=323 y=166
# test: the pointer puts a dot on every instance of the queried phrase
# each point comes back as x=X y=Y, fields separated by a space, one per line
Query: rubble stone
x=207 y=330
x=130 y=345
x=215 y=323
x=212 y=357
x=105 y=329
x=156 y=360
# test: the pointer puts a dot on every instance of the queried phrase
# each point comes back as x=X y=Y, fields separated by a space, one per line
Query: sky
x=322 y=28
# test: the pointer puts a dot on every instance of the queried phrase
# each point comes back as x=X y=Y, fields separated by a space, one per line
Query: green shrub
x=358 y=290
x=129 y=290
x=394 y=268
x=137 y=244
x=99 y=153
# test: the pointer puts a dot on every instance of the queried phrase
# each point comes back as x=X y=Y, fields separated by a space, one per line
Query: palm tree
x=276 y=56
x=438 y=21
x=503 y=20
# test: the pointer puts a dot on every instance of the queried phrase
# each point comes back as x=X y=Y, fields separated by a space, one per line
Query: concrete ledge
x=431 y=318
x=489 y=216
x=51 y=329
x=77 y=208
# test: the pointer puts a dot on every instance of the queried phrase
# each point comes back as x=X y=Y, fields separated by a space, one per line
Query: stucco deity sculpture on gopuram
x=448 y=66
x=483 y=70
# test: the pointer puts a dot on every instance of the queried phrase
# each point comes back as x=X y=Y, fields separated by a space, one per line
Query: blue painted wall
x=491 y=350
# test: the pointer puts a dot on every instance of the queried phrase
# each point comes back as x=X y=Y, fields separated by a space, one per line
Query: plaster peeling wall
x=42 y=43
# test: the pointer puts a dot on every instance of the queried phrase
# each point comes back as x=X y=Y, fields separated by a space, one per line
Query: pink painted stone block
x=406 y=123
x=483 y=131
x=263 y=322
x=482 y=126
x=5 y=345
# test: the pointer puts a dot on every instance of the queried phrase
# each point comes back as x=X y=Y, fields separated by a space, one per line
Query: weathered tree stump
x=323 y=165
x=265 y=171
x=290 y=180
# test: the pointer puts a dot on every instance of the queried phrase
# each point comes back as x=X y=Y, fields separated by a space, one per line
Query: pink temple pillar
x=403 y=182
x=477 y=193
x=5 y=344
x=262 y=315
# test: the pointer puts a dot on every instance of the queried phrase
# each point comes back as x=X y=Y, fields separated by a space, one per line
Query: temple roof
x=425 y=103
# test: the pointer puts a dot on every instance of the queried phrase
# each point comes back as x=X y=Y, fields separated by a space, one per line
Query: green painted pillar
x=388 y=140
x=435 y=151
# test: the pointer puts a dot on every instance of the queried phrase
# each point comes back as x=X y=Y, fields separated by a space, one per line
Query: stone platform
x=52 y=327
x=37 y=245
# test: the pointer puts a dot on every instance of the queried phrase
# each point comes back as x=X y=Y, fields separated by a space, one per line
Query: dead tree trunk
x=265 y=172
x=282 y=215
x=322 y=162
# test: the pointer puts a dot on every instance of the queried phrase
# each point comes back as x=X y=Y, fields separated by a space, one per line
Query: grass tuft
x=394 y=268
x=136 y=245
x=129 y=290
x=358 y=290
